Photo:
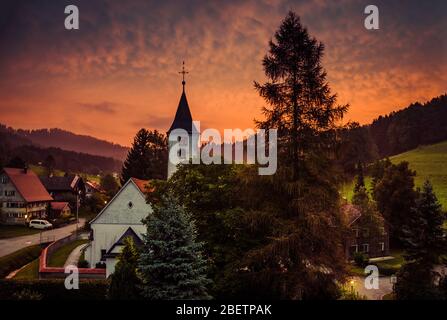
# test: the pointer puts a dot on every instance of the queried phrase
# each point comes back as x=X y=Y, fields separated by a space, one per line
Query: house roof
x=94 y=185
x=28 y=184
x=351 y=213
x=141 y=184
x=128 y=233
x=65 y=183
x=58 y=205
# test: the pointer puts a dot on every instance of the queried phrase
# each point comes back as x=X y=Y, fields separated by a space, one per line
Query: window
x=354 y=249
x=356 y=232
x=130 y=204
x=382 y=246
x=382 y=231
x=365 y=248
x=4 y=180
x=366 y=232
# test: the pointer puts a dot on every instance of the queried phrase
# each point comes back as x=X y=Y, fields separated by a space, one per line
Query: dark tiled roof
x=28 y=185
x=65 y=183
x=183 y=118
x=129 y=233
x=351 y=213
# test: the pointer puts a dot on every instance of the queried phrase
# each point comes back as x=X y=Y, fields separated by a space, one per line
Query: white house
x=120 y=218
x=22 y=196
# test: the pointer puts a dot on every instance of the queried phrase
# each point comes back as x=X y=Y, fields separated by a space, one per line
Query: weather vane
x=183 y=72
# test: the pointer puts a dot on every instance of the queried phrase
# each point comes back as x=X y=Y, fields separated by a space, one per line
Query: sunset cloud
x=123 y=63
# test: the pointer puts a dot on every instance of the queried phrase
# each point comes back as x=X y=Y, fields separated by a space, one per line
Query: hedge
x=18 y=259
x=54 y=289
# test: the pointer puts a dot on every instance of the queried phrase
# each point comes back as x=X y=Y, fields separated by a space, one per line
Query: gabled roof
x=351 y=213
x=183 y=118
x=128 y=233
x=28 y=184
x=139 y=184
x=56 y=183
x=58 y=205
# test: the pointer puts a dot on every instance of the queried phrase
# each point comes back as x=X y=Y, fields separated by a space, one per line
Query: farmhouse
x=361 y=239
x=22 y=196
x=121 y=217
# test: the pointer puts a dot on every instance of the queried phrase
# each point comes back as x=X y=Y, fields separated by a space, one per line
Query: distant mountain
x=14 y=144
x=406 y=129
x=67 y=140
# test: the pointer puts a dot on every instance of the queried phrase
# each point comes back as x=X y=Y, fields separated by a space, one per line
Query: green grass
x=15 y=231
x=59 y=257
x=30 y=272
x=429 y=162
x=347 y=189
x=42 y=171
x=390 y=267
x=18 y=259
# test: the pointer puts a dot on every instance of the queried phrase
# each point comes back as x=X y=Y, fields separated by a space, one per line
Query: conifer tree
x=125 y=282
x=171 y=263
x=424 y=243
x=147 y=159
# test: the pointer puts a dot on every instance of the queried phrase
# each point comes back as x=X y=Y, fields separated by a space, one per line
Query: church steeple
x=183 y=118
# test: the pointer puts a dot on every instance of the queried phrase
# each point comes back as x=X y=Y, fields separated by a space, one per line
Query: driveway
x=385 y=287
x=10 y=245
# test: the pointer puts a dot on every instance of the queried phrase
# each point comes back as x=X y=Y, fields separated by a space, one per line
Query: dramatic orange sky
x=119 y=72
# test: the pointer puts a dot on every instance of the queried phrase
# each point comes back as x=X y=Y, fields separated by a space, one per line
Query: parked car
x=40 y=224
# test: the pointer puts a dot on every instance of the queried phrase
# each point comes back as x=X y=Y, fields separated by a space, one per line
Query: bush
x=27 y=294
x=18 y=259
x=100 y=265
x=53 y=289
x=360 y=259
x=83 y=264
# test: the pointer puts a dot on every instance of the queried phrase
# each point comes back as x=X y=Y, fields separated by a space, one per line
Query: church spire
x=183 y=118
x=183 y=72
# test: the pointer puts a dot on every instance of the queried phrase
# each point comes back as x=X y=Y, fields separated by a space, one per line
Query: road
x=385 y=287
x=10 y=245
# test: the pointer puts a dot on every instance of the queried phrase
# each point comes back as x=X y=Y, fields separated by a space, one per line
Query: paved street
x=10 y=245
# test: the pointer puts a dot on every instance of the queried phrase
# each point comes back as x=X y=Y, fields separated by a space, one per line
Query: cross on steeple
x=183 y=72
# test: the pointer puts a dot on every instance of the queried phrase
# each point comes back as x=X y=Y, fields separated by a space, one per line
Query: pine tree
x=147 y=159
x=171 y=262
x=125 y=282
x=424 y=243
x=304 y=189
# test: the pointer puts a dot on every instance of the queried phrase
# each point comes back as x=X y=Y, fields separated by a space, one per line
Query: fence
x=46 y=272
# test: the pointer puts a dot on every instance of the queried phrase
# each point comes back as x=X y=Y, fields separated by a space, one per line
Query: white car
x=40 y=224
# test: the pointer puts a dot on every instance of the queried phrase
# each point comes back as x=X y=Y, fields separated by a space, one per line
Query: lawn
x=30 y=272
x=18 y=259
x=386 y=268
x=15 y=231
x=59 y=257
x=429 y=162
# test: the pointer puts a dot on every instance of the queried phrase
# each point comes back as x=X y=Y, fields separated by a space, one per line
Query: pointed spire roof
x=183 y=117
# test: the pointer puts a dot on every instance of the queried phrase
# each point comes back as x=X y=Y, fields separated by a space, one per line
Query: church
x=123 y=215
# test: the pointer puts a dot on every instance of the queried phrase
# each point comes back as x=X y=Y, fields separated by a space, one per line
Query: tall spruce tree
x=424 y=242
x=305 y=113
x=147 y=159
x=171 y=263
x=125 y=282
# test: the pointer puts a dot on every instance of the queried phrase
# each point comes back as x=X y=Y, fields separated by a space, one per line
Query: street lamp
x=77 y=211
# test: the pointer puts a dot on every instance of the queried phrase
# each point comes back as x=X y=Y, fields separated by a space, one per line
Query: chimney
x=25 y=169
